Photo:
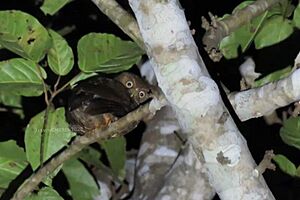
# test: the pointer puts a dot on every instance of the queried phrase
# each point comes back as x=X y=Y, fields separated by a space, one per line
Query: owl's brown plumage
x=98 y=101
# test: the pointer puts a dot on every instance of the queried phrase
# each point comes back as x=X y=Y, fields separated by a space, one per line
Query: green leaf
x=12 y=151
x=12 y=162
x=21 y=77
x=81 y=77
x=230 y=45
x=241 y=38
x=290 y=132
x=57 y=135
x=82 y=184
x=274 y=30
x=275 y=76
x=115 y=150
x=60 y=56
x=9 y=99
x=52 y=6
x=285 y=164
x=22 y=34
x=45 y=193
x=106 y=53
x=242 y=5
x=296 y=17
x=90 y=156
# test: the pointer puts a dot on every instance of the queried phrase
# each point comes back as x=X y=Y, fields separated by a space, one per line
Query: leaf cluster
x=271 y=27
x=38 y=50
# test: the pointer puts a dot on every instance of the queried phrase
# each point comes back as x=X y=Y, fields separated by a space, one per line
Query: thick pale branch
x=261 y=101
x=166 y=162
x=182 y=76
x=157 y=154
x=119 y=127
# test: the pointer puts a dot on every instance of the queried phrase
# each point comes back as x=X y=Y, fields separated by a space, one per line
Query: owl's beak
x=154 y=92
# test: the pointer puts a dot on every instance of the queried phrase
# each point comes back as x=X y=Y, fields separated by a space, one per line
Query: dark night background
x=87 y=18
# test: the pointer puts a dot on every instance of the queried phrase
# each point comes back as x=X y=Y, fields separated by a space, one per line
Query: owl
x=96 y=102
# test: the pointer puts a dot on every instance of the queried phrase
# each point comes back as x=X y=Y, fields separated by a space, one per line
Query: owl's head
x=139 y=90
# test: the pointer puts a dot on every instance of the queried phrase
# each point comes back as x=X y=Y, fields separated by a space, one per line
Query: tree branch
x=257 y=102
x=165 y=163
x=195 y=97
x=220 y=28
x=118 y=128
x=165 y=160
x=121 y=18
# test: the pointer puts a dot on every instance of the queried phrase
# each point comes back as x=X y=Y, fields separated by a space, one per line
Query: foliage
x=274 y=76
x=12 y=162
x=22 y=34
x=45 y=193
x=19 y=76
x=60 y=56
x=52 y=6
x=275 y=21
x=116 y=156
x=57 y=135
x=296 y=17
x=106 y=53
x=26 y=75
x=286 y=165
x=290 y=132
x=82 y=184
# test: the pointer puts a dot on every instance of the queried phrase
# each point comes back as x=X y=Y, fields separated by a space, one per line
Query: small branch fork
x=266 y=162
x=219 y=29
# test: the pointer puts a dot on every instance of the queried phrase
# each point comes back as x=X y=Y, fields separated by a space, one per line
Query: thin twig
x=56 y=83
x=120 y=127
x=56 y=92
x=66 y=30
x=44 y=85
x=3 y=109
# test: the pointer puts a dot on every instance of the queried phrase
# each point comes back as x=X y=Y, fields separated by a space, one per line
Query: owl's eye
x=142 y=94
x=129 y=84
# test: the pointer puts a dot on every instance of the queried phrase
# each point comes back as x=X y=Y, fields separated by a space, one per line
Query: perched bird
x=97 y=101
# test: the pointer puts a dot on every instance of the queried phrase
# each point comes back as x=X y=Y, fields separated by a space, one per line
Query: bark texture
x=194 y=96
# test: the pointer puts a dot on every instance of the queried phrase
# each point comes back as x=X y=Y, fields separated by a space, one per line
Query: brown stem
x=266 y=162
x=57 y=83
x=62 y=88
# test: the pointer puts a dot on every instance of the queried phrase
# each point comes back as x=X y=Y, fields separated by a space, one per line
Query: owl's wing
x=101 y=95
x=99 y=105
